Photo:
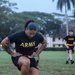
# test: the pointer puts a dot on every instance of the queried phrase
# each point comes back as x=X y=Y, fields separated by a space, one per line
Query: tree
x=73 y=16
x=5 y=12
x=67 y=4
x=52 y=27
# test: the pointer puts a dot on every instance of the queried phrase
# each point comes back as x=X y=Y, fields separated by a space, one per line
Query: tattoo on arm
x=7 y=49
x=5 y=44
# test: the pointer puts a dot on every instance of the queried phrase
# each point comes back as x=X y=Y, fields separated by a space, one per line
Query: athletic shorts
x=71 y=48
x=33 y=62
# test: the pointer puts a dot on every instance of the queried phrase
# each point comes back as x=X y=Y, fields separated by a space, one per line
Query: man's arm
x=66 y=44
x=74 y=45
x=5 y=44
x=43 y=45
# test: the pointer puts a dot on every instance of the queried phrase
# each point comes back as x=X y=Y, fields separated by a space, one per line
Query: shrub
x=54 y=49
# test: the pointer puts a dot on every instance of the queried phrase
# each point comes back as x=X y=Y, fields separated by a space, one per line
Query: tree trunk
x=66 y=16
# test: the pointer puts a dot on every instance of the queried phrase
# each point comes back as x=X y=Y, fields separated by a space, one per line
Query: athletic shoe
x=72 y=61
x=67 y=62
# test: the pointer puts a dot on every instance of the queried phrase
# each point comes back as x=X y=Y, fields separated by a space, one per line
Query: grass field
x=51 y=63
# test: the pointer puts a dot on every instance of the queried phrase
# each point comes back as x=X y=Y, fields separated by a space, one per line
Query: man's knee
x=26 y=63
x=23 y=61
x=70 y=51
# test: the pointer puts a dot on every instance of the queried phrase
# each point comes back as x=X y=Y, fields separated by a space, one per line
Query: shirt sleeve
x=13 y=37
x=65 y=38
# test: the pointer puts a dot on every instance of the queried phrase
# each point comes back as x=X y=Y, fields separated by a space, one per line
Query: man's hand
x=16 y=54
x=68 y=48
x=0 y=46
x=74 y=48
x=33 y=55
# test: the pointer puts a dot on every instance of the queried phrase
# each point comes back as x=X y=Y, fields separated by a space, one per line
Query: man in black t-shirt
x=37 y=47
x=69 y=44
x=25 y=43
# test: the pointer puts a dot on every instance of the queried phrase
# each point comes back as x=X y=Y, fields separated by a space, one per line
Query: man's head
x=71 y=32
x=31 y=29
x=27 y=22
x=42 y=32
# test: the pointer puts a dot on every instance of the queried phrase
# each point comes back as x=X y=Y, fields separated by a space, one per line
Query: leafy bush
x=54 y=49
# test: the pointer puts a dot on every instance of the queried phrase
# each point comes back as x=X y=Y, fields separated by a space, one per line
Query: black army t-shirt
x=23 y=43
x=70 y=39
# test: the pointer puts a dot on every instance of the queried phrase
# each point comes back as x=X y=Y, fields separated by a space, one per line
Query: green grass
x=51 y=63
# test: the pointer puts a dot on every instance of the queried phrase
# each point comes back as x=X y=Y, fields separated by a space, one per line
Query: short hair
x=42 y=31
x=27 y=22
x=32 y=26
x=71 y=31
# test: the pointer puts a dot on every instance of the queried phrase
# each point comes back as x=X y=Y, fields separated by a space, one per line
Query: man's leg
x=70 y=56
x=24 y=63
x=38 y=58
x=67 y=62
x=34 y=71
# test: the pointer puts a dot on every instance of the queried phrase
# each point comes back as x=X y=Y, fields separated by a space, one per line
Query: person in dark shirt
x=27 y=22
x=69 y=42
x=25 y=43
x=37 y=47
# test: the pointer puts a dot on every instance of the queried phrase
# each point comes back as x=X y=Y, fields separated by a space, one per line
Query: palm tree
x=67 y=5
x=73 y=15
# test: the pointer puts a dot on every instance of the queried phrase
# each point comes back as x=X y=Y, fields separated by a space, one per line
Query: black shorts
x=71 y=48
x=33 y=62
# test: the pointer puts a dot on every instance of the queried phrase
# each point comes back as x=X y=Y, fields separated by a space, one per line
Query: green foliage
x=5 y=12
x=55 y=49
x=52 y=27
x=14 y=22
x=68 y=3
x=45 y=21
x=11 y=21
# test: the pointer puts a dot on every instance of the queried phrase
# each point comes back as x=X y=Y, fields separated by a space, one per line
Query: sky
x=46 y=6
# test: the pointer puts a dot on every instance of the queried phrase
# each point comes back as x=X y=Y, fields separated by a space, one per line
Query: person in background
x=25 y=43
x=69 y=42
x=0 y=44
x=37 y=47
